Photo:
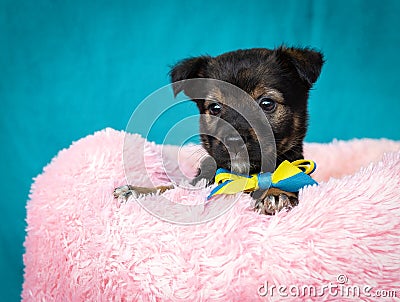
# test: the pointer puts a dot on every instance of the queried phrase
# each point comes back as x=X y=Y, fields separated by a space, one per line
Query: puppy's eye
x=214 y=108
x=267 y=104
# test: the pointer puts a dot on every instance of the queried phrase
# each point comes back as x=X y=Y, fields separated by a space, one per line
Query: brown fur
x=282 y=77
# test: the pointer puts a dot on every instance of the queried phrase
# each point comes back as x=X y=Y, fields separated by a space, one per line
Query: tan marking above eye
x=213 y=96
x=209 y=101
x=262 y=91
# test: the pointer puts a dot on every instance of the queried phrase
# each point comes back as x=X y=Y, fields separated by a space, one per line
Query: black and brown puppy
x=278 y=82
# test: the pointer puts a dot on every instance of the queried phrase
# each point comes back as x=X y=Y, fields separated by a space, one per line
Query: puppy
x=278 y=82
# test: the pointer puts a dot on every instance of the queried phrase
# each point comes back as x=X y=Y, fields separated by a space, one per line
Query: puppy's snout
x=234 y=143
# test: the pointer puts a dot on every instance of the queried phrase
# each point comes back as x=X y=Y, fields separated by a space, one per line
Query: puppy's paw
x=274 y=201
x=124 y=192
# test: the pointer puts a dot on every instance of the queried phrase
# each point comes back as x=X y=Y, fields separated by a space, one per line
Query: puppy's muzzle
x=234 y=144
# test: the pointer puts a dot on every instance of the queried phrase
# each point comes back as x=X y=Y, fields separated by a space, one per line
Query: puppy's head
x=278 y=82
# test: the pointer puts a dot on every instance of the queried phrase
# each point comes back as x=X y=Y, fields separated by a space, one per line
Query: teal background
x=69 y=68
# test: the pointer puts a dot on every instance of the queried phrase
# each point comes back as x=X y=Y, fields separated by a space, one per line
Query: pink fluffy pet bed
x=84 y=245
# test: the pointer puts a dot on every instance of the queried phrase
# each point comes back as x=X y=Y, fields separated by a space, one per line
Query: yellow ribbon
x=289 y=176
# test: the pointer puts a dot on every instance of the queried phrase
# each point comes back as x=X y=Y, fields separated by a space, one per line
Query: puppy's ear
x=307 y=62
x=188 y=69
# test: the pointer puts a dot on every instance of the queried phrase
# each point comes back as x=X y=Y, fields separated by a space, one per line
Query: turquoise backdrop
x=69 y=68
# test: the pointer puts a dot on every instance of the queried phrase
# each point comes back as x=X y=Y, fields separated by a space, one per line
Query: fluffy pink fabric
x=83 y=245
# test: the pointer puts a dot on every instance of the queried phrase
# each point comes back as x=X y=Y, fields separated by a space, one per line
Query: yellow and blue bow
x=289 y=177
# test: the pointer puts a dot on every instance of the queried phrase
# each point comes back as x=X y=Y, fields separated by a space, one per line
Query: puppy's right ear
x=188 y=69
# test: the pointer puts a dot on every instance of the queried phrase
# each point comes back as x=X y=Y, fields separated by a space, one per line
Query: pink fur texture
x=84 y=245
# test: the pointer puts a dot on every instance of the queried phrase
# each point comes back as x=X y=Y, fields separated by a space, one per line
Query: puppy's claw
x=271 y=204
x=123 y=192
x=283 y=201
x=258 y=204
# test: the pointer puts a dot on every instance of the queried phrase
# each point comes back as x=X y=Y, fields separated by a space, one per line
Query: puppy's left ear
x=307 y=62
x=188 y=69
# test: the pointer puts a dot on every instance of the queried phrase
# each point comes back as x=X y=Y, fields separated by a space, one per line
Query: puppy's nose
x=234 y=143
